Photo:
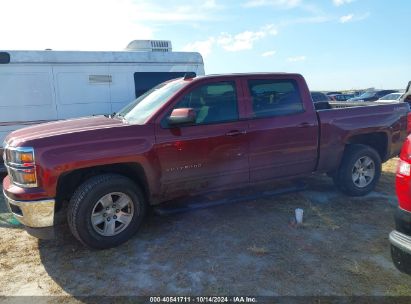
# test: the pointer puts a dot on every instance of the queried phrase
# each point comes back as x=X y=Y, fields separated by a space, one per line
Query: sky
x=334 y=44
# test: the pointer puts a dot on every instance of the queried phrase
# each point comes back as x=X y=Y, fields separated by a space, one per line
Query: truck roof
x=49 y=56
x=248 y=75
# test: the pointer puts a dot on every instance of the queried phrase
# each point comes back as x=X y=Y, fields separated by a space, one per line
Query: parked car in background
x=188 y=136
x=341 y=97
x=319 y=96
x=400 y=238
x=407 y=95
x=333 y=93
x=393 y=97
x=372 y=95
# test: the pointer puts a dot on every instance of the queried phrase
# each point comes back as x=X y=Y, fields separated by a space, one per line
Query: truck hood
x=61 y=127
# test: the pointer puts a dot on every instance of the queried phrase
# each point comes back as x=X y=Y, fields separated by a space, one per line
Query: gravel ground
x=243 y=248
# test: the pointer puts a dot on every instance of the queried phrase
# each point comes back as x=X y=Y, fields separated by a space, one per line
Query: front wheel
x=359 y=171
x=105 y=211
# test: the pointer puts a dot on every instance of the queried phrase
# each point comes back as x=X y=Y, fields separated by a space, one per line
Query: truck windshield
x=138 y=111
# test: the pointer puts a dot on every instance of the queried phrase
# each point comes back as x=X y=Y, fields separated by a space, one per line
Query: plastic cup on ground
x=299 y=215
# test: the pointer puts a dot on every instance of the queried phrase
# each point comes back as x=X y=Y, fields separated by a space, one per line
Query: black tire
x=88 y=194
x=401 y=260
x=343 y=179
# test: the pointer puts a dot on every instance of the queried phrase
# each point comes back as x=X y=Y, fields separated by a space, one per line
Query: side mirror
x=182 y=116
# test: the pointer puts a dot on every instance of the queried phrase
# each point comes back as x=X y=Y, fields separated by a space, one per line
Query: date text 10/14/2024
x=203 y=299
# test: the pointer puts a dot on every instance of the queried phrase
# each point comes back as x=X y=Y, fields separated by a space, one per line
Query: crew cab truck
x=186 y=136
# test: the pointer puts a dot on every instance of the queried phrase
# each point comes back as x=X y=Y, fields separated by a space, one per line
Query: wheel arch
x=68 y=182
x=376 y=140
x=343 y=177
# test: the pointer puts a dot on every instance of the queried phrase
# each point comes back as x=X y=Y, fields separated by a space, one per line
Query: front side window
x=275 y=97
x=212 y=103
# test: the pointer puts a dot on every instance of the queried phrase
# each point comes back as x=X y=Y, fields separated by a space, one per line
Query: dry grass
x=258 y=250
x=243 y=248
x=387 y=180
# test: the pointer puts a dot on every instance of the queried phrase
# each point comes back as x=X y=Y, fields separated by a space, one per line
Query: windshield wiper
x=110 y=115
x=118 y=116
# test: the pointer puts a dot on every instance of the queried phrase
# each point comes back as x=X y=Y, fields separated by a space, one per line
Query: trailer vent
x=99 y=79
x=149 y=46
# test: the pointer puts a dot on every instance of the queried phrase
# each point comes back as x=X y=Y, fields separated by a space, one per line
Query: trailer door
x=82 y=90
x=26 y=96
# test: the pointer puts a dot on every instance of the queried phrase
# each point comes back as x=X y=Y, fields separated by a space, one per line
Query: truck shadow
x=244 y=248
x=172 y=252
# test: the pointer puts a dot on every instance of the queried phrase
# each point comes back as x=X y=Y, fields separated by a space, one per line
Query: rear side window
x=144 y=81
x=275 y=97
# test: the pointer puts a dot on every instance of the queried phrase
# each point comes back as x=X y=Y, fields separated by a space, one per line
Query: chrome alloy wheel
x=112 y=214
x=363 y=172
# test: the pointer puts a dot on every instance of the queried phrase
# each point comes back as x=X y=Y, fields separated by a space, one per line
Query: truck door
x=212 y=152
x=283 y=133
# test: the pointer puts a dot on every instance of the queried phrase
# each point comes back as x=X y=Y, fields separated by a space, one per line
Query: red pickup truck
x=186 y=136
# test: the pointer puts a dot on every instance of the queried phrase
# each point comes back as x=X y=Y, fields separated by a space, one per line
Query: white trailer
x=41 y=86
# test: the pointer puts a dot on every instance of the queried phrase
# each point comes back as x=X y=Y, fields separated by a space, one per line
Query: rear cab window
x=274 y=97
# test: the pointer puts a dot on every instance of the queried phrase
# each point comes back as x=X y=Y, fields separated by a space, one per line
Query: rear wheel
x=105 y=211
x=359 y=171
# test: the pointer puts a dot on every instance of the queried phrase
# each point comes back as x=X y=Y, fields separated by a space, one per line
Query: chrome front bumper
x=401 y=241
x=35 y=214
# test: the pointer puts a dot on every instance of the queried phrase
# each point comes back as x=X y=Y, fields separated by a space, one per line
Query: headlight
x=19 y=156
x=20 y=165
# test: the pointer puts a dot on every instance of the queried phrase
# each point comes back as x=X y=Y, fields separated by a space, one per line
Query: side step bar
x=170 y=208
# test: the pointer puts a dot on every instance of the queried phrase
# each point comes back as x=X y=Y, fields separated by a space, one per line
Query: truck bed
x=345 y=122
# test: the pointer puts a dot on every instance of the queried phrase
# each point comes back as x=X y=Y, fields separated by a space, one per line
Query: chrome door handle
x=236 y=133
x=304 y=125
